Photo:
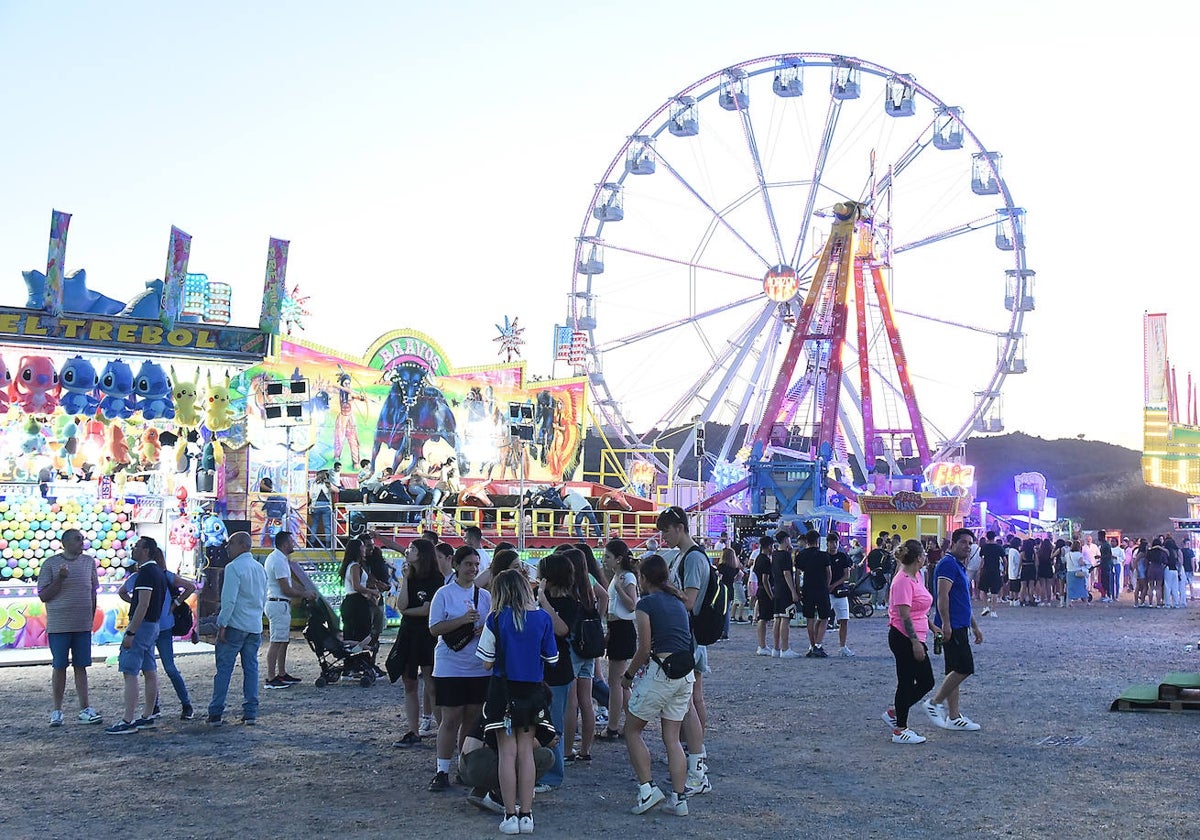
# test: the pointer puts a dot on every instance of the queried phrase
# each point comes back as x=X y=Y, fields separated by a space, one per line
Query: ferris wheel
x=812 y=249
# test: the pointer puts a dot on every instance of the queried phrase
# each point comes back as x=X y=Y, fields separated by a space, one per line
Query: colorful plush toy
x=5 y=382
x=78 y=379
x=33 y=442
x=153 y=392
x=213 y=531
x=150 y=448
x=184 y=533
x=117 y=448
x=116 y=384
x=35 y=386
x=185 y=395
x=218 y=416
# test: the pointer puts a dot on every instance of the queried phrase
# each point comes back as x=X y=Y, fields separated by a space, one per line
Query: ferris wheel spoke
x=949 y=323
x=756 y=159
x=766 y=361
x=810 y=203
x=634 y=338
x=901 y=163
x=717 y=215
x=737 y=348
x=676 y=261
x=949 y=233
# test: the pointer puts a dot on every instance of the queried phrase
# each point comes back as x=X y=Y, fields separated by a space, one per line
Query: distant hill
x=1098 y=483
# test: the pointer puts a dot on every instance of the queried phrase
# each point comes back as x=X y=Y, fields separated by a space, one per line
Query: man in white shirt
x=281 y=589
x=473 y=537
x=239 y=629
x=1013 y=555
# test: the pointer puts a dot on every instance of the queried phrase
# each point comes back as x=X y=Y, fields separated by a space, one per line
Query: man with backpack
x=693 y=573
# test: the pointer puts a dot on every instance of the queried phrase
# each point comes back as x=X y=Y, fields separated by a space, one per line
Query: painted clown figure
x=345 y=429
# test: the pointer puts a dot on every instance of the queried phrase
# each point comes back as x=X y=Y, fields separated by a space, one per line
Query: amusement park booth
x=912 y=515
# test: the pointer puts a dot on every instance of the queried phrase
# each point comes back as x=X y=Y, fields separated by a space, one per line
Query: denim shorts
x=78 y=645
x=585 y=669
x=140 y=655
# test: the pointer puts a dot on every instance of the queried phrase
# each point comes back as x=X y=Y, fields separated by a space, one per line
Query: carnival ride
x=754 y=252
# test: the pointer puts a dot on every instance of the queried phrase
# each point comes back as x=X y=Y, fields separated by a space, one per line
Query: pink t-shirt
x=910 y=591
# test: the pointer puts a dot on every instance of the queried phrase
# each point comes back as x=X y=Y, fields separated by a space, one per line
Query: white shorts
x=279 y=614
x=656 y=696
x=841 y=608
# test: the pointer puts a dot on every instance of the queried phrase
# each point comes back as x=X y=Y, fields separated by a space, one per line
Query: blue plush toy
x=78 y=378
x=213 y=531
x=153 y=391
x=116 y=384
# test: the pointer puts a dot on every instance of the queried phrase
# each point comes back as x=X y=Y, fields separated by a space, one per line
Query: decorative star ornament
x=510 y=339
x=294 y=310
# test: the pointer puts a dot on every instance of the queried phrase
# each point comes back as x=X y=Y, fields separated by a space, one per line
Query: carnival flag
x=274 y=287
x=173 y=276
x=53 y=300
x=562 y=342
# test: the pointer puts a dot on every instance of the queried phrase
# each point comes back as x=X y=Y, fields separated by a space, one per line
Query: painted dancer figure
x=344 y=426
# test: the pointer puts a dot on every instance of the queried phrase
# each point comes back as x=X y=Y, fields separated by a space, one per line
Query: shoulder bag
x=460 y=637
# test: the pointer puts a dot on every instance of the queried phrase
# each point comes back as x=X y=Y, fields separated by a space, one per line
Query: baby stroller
x=862 y=595
x=336 y=658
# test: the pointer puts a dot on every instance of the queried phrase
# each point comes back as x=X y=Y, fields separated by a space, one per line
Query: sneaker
x=56 y=717
x=889 y=717
x=187 y=714
x=484 y=801
x=846 y=652
x=249 y=721
x=525 y=824
x=936 y=712
x=288 y=678
x=697 y=785
x=510 y=825
x=986 y=611
x=906 y=736
x=645 y=803
x=789 y=654
x=157 y=713
x=216 y=720
x=121 y=727
x=819 y=652
x=428 y=725
x=962 y=723
x=762 y=651
x=145 y=723
x=441 y=782
x=410 y=739
x=544 y=788
x=677 y=804
x=775 y=653
x=277 y=682
x=88 y=715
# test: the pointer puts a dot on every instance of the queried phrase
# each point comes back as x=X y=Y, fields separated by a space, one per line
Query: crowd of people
x=502 y=662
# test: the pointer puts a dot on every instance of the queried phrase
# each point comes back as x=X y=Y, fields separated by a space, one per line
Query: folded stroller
x=862 y=595
x=336 y=658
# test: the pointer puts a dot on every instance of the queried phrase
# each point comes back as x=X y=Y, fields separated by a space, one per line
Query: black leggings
x=913 y=679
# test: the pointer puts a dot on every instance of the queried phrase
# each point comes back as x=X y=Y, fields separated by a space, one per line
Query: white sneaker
x=889 y=717
x=88 y=715
x=697 y=785
x=846 y=651
x=936 y=712
x=907 y=736
x=56 y=717
x=510 y=825
x=775 y=653
x=789 y=654
x=645 y=803
x=677 y=804
x=428 y=725
x=986 y=611
x=525 y=824
x=762 y=651
x=962 y=723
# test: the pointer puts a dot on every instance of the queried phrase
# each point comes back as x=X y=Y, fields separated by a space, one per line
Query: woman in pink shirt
x=908 y=627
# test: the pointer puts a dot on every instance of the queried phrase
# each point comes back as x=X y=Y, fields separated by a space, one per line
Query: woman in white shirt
x=359 y=599
x=1077 y=574
x=622 y=635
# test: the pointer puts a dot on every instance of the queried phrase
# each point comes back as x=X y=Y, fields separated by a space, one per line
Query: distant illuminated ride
x=757 y=249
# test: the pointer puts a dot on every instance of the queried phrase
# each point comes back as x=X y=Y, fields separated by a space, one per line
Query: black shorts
x=816 y=604
x=418 y=645
x=1014 y=586
x=460 y=691
x=1029 y=572
x=528 y=703
x=766 y=606
x=957 y=649
x=622 y=640
x=782 y=602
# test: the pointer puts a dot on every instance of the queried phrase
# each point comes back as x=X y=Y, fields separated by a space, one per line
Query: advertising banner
x=174 y=274
x=59 y=222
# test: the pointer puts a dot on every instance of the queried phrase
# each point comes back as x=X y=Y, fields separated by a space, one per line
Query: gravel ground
x=796 y=748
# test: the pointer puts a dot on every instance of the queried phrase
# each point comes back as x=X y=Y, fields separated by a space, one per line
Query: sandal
x=610 y=735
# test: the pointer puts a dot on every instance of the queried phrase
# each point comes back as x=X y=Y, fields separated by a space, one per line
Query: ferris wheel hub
x=781 y=283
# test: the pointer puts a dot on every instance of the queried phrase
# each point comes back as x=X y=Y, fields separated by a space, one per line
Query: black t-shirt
x=562 y=672
x=762 y=570
x=420 y=593
x=992 y=554
x=1189 y=560
x=840 y=565
x=781 y=569
x=151 y=583
x=728 y=574
x=814 y=563
x=1106 y=555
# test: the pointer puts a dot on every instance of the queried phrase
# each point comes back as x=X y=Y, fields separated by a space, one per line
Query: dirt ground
x=796 y=748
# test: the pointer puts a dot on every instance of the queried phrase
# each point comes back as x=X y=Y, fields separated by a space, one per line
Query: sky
x=431 y=164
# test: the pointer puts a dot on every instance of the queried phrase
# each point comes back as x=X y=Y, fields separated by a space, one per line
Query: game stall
x=115 y=419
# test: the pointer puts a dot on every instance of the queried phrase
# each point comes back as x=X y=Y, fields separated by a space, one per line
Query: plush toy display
x=5 y=382
x=153 y=392
x=185 y=394
x=218 y=416
x=35 y=385
x=116 y=384
x=79 y=380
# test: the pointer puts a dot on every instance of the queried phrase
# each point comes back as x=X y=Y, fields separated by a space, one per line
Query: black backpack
x=587 y=636
x=709 y=623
